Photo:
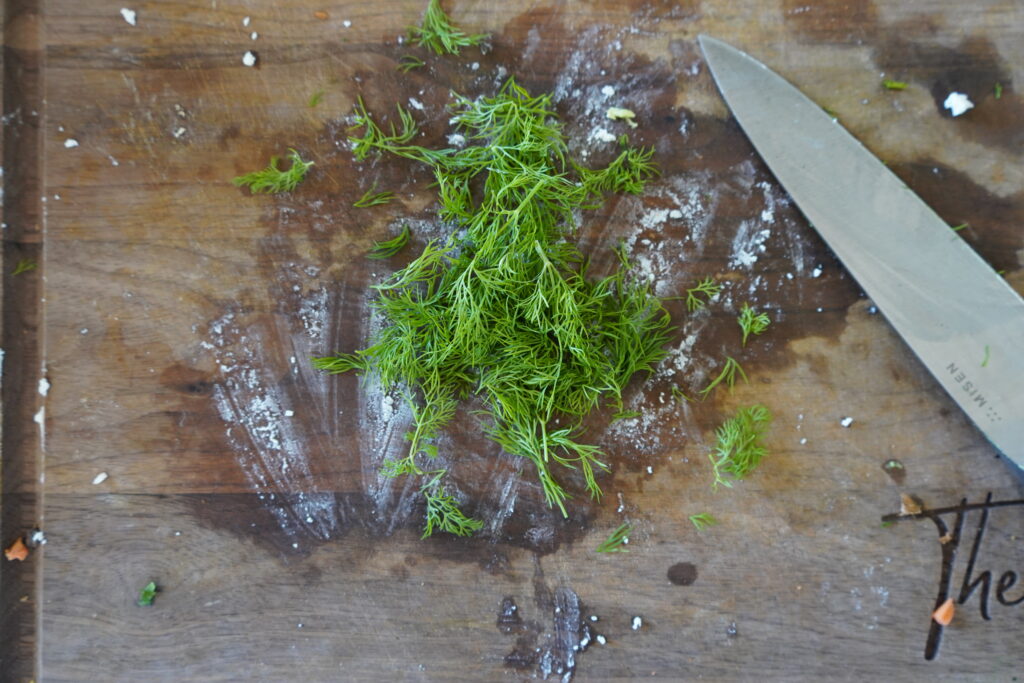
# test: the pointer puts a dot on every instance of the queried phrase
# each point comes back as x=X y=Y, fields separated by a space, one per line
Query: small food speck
x=944 y=614
x=636 y=623
x=620 y=114
x=816 y=272
x=245 y=21
x=37 y=538
x=601 y=639
x=846 y=421
x=129 y=15
x=650 y=470
x=16 y=551
x=320 y=14
x=607 y=91
x=958 y=103
x=675 y=213
x=946 y=538
x=909 y=506
x=289 y=413
x=593 y=617
x=71 y=142
x=249 y=58
x=99 y=478
x=346 y=23
x=254 y=35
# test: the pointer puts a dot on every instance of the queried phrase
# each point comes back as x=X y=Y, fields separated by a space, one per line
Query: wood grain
x=174 y=314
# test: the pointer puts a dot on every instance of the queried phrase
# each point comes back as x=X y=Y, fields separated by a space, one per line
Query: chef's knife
x=962 y=319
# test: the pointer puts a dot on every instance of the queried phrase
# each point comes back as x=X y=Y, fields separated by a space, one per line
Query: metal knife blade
x=962 y=320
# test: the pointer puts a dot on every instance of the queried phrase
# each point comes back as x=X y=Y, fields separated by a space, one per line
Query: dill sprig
x=738 y=449
x=894 y=85
x=24 y=265
x=273 y=179
x=727 y=375
x=437 y=32
x=708 y=287
x=997 y=90
x=315 y=98
x=409 y=62
x=370 y=198
x=443 y=512
x=702 y=521
x=389 y=248
x=615 y=542
x=504 y=309
x=751 y=322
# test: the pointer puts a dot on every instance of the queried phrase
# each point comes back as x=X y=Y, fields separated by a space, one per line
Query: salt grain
x=245 y=21
x=71 y=142
x=129 y=15
x=289 y=413
x=346 y=23
x=249 y=58
x=637 y=623
x=601 y=639
x=607 y=91
x=958 y=103
x=846 y=421
x=99 y=478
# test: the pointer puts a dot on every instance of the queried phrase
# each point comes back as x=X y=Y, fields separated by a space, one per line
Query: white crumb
x=44 y=386
x=254 y=35
x=249 y=58
x=37 y=538
x=601 y=639
x=957 y=103
x=346 y=23
x=71 y=142
x=816 y=272
x=289 y=413
x=245 y=21
x=636 y=623
x=601 y=135
x=607 y=91
x=846 y=421
x=129 y=15
x=415 y=104
x=99 y=478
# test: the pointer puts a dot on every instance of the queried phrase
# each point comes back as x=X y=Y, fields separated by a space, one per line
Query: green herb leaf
x=409 y=62
x=727 y=375
x=437 y=32
x=370 y=198
x=958 y=228
x=147 y=594
x=389 y=248
x=615 y=542
x=751 y=322
x=272 y=179
x=984 y=361
x=894 y=85
x=739 y=449
x=24 y=265
x=702 y=521
x=316 y=98
x=997 y=90
x=708 y=287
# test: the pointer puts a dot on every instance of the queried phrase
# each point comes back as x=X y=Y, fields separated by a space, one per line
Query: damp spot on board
x=896 y=471
x=682 y=573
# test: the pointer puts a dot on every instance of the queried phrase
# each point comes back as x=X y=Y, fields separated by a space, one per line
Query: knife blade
x=961 y=319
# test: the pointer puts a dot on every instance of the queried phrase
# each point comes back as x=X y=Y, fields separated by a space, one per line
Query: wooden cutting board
x=172 y=316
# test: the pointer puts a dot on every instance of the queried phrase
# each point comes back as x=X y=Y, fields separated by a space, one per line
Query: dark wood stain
x=682 y=573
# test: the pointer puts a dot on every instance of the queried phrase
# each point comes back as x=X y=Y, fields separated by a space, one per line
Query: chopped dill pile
x=727 y=375
x=738 y=449
x=504 y=309
x=438 y=33
x=24 y=265
x=272 y=179
x=370 y=198
x=702 y=521
x=389 y=248
x=617 y=539
x=708 y=287
x=751 y=322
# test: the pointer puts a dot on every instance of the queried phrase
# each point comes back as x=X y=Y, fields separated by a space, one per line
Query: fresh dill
x=997 y=90
x=984 y=361
x=702 y=521
x=738 y=447
x=678 y=394
x=727 y=375
x=409 y=62
x=147 y=594
x=389 y=248
x=894 y=85
x=443 y=512
x=751 y=322
x=316 y=98
x=958 y=228
x=437 y=32
x=273 y=179
x=503 y=308
x=626 y=415
x=371 y=198
x=615 y=542
x=708 y=287
x=24 y=265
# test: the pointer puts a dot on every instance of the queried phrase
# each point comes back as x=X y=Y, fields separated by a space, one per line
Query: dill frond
x=437 y=32
x=409 y=62
x=894 y=85
x=708 y=287
x=24 y=265
x=727 y=375
x=273 y=179
x=702 y=521
x=738 y=449
x=615 y=542
x=316 y=98
x=370 y=198
x=751 y=322
x=443 y=513
x=503 y=308
x=388 y=248
x=342 y=362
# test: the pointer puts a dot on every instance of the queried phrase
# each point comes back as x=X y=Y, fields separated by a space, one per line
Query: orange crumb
x=17 y=551
x=320 y=14
x=944 y=614
x=908 y=506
